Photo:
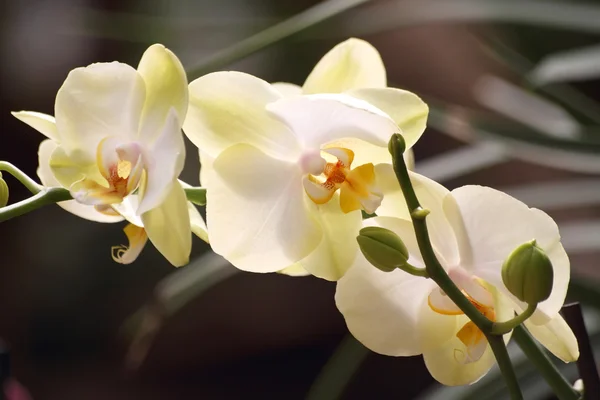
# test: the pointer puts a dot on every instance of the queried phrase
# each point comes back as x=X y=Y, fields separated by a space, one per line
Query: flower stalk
x=439 y=275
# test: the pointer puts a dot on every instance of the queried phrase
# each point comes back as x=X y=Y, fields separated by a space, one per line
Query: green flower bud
x=396 y=145
x=528 y=274
x=3 y=192
x=382 y=248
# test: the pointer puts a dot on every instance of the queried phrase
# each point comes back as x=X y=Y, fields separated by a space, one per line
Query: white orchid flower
x=286 y=178
x=473 y=229
x=116 y=141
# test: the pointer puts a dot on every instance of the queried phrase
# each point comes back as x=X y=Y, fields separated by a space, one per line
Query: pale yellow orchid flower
x=473 y=229
x=116 y=143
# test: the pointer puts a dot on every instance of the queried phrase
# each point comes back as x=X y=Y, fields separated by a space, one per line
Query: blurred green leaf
x=282 y=30
x=339 y=370
x=170 y=295
x=570 y=65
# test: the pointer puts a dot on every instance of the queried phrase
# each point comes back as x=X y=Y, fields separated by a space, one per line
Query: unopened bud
x=528 y=274
x=396 y=145
x=382 y=248
x=3 y=192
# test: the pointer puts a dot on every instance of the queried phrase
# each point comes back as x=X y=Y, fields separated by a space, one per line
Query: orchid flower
x=286 y=178
x=473 y=229
x=116 y=143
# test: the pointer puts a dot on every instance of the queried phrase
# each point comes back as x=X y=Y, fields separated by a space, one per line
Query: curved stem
x=29 y=183
x=43 y=197
x=561 y=387
x=411 y=269
x=438 y=274
x=501 y=328
x=196 y=195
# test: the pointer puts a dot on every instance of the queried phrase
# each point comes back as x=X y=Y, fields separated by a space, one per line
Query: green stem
x=29 y=183
x=561 y=387
x=411 y=269
x=506 y=368
x=196 y=195
x=432 y=265
x=501 y=328
x=439 y=275
x=44 y=197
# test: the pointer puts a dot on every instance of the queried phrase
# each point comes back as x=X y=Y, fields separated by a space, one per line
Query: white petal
x=318 y=120
x=168 y=226
x=47 y=147
x=287 y=89
x=103 y=99
x=128 y=207
x=256 y=212
x=382 y=309
x=166 y=89
x=557 y=337
x=227 y=108
x=493 y=225
x=338 y=247
x=163 y=163
x=43 y=123
x=431 y=196
x=405 y=108
x=349 y=65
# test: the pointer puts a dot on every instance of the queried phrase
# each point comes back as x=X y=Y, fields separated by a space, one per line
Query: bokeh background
x=515 y=104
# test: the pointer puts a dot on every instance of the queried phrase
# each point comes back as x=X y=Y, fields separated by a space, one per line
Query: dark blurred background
x=64 y=302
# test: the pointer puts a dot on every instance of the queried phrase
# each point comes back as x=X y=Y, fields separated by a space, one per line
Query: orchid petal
x=351 y=64
x=338 y=246
x=43 y=123
x=163 y=163
x=287 y=89
x=407 y=110
x=166 y=89
x=491 y=224
x=556 y=336
x=430 y=195
x=263 y=200
x=318 y=120
x=46 y=149
x=137 y=240
x=227 y=108
x=382 y=309
x=197 y=224
x=168 y=225
x=446 y=356
x=100 y=100
x=294 y=270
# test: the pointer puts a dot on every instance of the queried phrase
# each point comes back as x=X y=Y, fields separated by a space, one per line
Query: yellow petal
x=168 y=226
x=405 y=108
x=294 y=270
x=43 y=123
x=557 y=337
x=166 y=88
x=316 y=191
x=137 y=239
x=349 y=65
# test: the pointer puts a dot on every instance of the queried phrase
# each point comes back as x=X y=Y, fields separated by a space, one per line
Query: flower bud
x=382 y=248
x=3 y=192
x=396 y=145
x=528 y=274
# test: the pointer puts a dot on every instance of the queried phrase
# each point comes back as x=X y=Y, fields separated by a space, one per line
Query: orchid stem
x=436 y=272
x=502 y=328
x=561 y=387
x=29 y=183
